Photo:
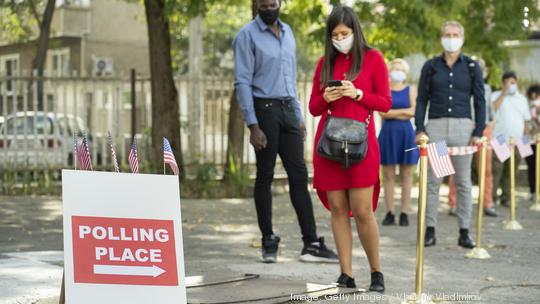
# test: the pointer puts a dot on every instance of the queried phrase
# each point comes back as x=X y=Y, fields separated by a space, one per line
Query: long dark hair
x=347 y=16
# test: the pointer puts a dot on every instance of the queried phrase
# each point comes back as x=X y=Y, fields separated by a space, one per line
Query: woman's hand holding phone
x=348 y=89
x=332 y=94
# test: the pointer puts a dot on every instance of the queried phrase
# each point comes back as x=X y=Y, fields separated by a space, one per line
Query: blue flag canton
x=134 y=146
x=500 y=139
x=166 y=145
x=442 y=149
x=85 y=144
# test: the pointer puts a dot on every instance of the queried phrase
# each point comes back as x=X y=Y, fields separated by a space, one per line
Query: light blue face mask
x=397 y=76
x=512 y=89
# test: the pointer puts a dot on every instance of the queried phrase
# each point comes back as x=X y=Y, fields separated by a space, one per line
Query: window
x=58 y=62
x=9 y=67
x=15 y=125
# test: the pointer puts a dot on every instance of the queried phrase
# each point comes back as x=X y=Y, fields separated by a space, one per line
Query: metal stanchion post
x=419 y=297
x=536 y=205
x=513 y=223
x=478 y=252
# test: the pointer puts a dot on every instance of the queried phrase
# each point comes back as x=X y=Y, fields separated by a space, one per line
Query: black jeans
x=278 y=122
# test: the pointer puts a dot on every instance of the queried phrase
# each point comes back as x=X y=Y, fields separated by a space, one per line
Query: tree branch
x=34 y=11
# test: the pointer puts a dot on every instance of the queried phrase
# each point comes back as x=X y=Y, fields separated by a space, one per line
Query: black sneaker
x=270 y=245
x=389 y=219
x=345 y=281
x=318 y=252
x=377 y=282
x=403 y=219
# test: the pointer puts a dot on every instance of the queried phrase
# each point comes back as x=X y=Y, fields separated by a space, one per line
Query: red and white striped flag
x=439 y=159
x=133 y=158
x=168 y=157
x=524 y=146
x=501 y=148
x=113 y=155
x=84 y=155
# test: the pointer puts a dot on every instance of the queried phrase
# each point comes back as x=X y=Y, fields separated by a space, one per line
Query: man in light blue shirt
x=511 y=114
x=265 y=83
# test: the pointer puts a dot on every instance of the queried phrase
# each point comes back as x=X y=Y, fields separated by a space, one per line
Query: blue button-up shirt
x=450 y=92
x=265 y=66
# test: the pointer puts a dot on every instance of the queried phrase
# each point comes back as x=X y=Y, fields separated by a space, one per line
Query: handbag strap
x=368 y=118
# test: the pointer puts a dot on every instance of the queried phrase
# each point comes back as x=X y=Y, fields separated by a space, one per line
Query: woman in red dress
x=353 y=191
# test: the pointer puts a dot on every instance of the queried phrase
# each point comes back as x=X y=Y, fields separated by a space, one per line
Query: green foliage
x=18 y=19
x=400 y=28
x=307 y=19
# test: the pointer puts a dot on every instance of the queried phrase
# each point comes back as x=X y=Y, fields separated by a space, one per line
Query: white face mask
x=512 y=89
x=397 y=76
x=344 y=45
x=452 y=44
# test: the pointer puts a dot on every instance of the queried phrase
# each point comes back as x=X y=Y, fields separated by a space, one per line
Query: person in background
x=363 y=88
x=447 y=83
x=511 y=120
x=489 y=210
x=396 y=136
x=265 y=83
x=533 y=94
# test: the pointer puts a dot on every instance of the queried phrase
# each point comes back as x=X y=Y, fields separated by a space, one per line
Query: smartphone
x=334 y=83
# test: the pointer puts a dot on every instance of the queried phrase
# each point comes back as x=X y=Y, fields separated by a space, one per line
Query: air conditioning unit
x=103 y=66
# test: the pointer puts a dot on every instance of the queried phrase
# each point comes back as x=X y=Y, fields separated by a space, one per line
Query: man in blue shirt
x=265 y=83
x=447 y=83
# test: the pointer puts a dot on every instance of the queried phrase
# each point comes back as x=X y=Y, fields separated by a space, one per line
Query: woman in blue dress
x=396 y=136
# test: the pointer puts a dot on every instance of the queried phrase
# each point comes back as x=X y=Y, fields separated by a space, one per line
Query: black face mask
x=269 y=16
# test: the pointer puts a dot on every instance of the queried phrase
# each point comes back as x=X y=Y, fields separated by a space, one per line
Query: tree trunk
x=38 y=64
x=235 y=142
x=235 y=133
x=165 y=109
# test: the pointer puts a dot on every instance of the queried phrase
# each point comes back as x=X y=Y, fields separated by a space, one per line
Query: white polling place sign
x=122 y=238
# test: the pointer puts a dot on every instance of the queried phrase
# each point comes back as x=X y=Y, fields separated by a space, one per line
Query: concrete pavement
x=221 y=241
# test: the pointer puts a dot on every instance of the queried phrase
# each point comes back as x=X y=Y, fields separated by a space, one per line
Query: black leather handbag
x=344 y=140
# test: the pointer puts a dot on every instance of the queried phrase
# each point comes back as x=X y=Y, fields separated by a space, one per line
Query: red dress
x=373 y=81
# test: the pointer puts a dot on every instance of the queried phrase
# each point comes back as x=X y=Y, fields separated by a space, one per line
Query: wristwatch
x=358 y=94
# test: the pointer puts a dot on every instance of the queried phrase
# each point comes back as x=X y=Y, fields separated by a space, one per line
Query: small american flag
x=168 y=156
x=84 y=155
x=113 y=154
x=524 y=146
x=439 y=159
x=133 y=158
x=501 y=148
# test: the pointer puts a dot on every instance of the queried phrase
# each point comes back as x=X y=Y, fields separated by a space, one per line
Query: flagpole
x=536 y=205
x=513 y=224
x=76 y=152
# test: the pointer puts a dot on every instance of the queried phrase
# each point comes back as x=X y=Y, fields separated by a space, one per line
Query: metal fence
x=36 y=130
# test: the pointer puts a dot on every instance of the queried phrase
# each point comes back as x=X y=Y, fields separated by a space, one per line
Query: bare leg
x=406 y=172
x=368 y=230
x=341 y=227
x=389 y=176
